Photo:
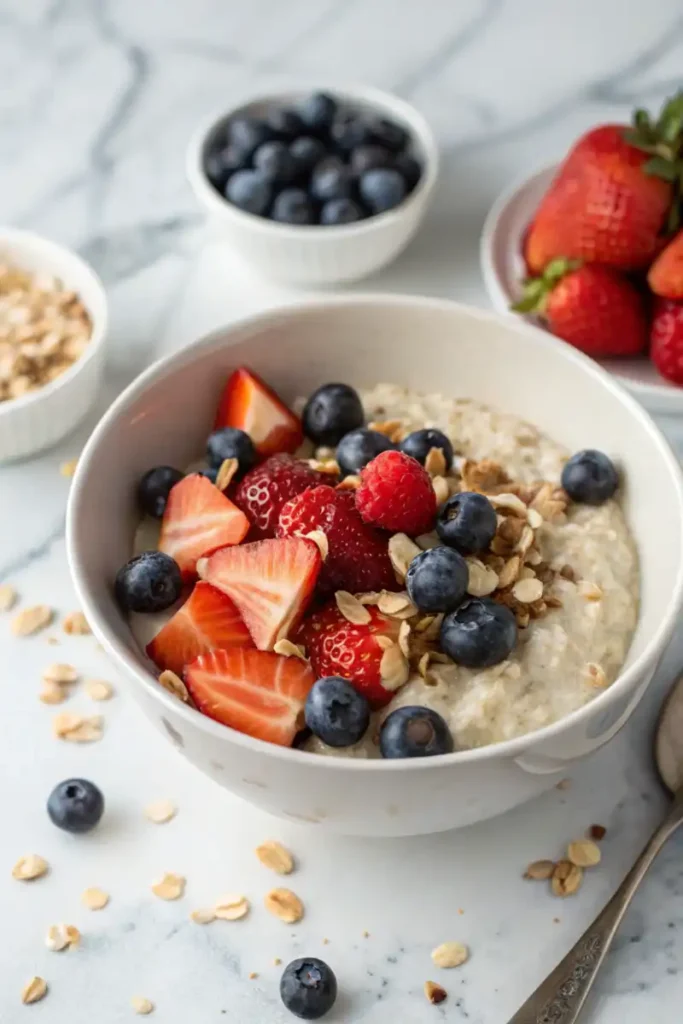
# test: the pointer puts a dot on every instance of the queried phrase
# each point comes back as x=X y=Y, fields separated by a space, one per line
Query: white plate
x=503 y=270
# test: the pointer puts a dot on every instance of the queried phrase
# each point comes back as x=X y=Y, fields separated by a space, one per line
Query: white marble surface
x=99 y=99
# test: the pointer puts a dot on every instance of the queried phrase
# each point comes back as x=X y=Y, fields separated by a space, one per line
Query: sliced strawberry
x=207 y=621
x=198 y=520
x=270 y=581
x=248 y=403
x=256 y=692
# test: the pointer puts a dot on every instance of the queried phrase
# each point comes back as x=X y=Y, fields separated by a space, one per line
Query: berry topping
x=467 y=522
x=409 y=169
x=230 y=443
x=420 y=442
x=388 y=134
x=275 y=163
x=255 y=692
x=381 y=189
x=248 y=403
x=265 y=489
x=479 y=634
x=285 y=124
x=293 y=206
x=75 y=805
x=332 y=411
x=414 y=732
x=366 y=158
x=590 y=477
x=249 y=191
x=221 y=163
x=437 y=580
x=307 y=152
x=154 y=489
x=666 y=340
x=150 y=582
x=246 y=133
x=336 y=712
x=270 y=581
x=331 y=179
x=208 y=620
x=317 y=112
x=308 y=988
x=198 y=520
x=396 y=493
x=359 y=447
x=341 y=211
x=348 y=132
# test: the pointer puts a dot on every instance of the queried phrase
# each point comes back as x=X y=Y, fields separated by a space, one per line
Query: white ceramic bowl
x=314 y=255
x=41 y=418
x=503 y=270
x=165 y=416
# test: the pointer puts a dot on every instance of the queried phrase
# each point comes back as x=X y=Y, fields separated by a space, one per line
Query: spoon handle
x=561 y=997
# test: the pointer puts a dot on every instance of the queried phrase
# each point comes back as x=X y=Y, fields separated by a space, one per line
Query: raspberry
x=666 y=338
x=396 y=493
x=266 y=488
x=358 y=557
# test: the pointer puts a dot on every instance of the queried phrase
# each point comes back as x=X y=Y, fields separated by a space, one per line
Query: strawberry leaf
x=659 y=167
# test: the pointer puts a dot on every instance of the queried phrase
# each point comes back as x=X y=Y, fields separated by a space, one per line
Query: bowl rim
x=386 y=102
x=99 y=320
x=174 y=362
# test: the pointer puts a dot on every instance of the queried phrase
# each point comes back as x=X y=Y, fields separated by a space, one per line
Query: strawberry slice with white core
x=207 y=621
x=270 y=581
x=249 y=404
x=198 y=520
x=255 y=692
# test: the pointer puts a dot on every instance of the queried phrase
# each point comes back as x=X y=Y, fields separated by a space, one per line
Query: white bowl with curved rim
x=503 y=270
x=429 y=345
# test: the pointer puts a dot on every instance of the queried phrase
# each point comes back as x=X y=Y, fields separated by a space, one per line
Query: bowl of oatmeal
x=587 y=591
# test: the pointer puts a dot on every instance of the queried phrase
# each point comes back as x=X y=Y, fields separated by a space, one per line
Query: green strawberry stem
x=537 y=289
x=663 y=141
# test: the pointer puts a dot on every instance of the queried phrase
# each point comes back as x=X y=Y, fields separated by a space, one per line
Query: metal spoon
x=562 y=996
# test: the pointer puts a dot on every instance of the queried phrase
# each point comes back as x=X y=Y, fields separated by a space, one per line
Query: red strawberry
x=358 y=556
x=665 y=276
x=208 y=620
x=592 y=307
x=338 y=647
x=396 y=493
x=270 y=581
x=266 y=488
x=666 y=339
x=198 y=520
x=255 y=692
x=248 y=403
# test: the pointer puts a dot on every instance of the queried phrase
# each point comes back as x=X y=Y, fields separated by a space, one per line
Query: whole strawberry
x=665 y=276
x=396 y=493
x=591 y=307
x=666 y=339
x=357 y=558
x=337 y=647
x=266 y=488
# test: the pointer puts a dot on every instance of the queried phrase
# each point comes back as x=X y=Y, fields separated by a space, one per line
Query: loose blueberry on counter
x=419 y=443
x=382 y=189
x=332 y=411
x=348 y=131
x=155 y=487
x=150 y=582
x=437 y=580
x=249 y=191
x=221 y=163
x=414 y=732
x=307 y=152
x=331 y=179
x=75 y=805
x=247 y=133
x=308 y=988
x=336 y=712
x=388 y=133
x=293 y=206
x=230 y=443
x=409 y=169
x=359 y=447
x=590 y=477
x=479 y=634
x=467 y=522
x=366 y=158
x=341 y=211
x=317 y=112
x=275 y=163
x=284 y=124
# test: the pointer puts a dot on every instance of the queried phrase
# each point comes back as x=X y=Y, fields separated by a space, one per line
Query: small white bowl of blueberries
x=316 y=188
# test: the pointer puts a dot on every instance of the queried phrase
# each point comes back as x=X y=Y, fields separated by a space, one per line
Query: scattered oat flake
x=62 y=936
x=567 y=879
x=285 y=904
x=365 y=933
x=232 y=908
x=435 y=993
x=174 y=684
x=540 y=870
x=52 y=693
x=393 y=668
x=8 y=597
x=276 y=961
x=30 y=867
x=402 y=550
x=142 y=1005
x=397 y=605
x=289 y=649
x=563 y=784
x=77 y=728
x=274 y=856
x=351 y=608
x=31 y=620
x=94 y=899
x=60 y=673
x=68 y=468
x=76 y=624
x=34 y=991
x=584 y=853
x=227 y=470
x=204 y=915
x=450 y=954
x=98 y=689
x=253 y=975
x=597 y=832
x=326 y=942
x=320 y=540
x=160 y=811
x=171 y=887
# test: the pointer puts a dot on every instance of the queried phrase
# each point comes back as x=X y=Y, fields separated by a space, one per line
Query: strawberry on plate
x=199 y=519
x=396 y=493
x=666 y=340
x=338 y=647
x=665 y=276
x=270 y=581
x=266 y=488
x=208 y=620
x=255 y=692
x=250 y=405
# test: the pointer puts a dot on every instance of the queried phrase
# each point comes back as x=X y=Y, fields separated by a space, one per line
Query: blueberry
x=275 y=163
x=414 y=732
x=467 y=522
x=480 y=633
x=308 y=988
x=349 y=131
x=150 y=582
x=419 y=443
x=293 y=206
x=155 y=487
x=336 y=712
x=331 y=179
x=284 y=124
x=359 y=447
x=317 y=112
x=341 y=211
x=230 y=443
x=382 y=189
x=590 y=477
x=221 y=163
x=211 y=473
x=437 y=580
x=409 y=169
x=246 y=133
x=389 y=134
x=366 y=158
x=249 y=191
x=307 y=152
x=75 y=805
x=332 y=411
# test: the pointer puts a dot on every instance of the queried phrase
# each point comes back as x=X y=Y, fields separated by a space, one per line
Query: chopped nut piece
x=171 y=887
x=8 y=597
x=160 y=812
x=450 y=954
x=76 y=624
x=52 y=693
x=482 y=580
x=566 y=879
x=232 y=908
x=349 y=483
x=397 y=605
x=62 y=936
x=404 y=638
x=393 y=429
x=61 y=674
x=34 y=991
x=435 y=993
x=174 y=684
x=540 y=870
x=98 y=689
x=441 y=489
x=383 y=641
x=77 y=728
x=510 y=503
x=484 y=476
x=30 y=867
x=329 y=466
x=509 y=572
x=274 y=856
x=528 y=590
x=597 y=832
x=227 y=470
x=283 y=903
x=290 y=650
x=94 y=899
x=205 y=916
x=393 y=668
x=68 y=468
x=142 y=1005
x=31 y=620
x=351 y=608
x=435 y=463
x=320 y=540
x=584 y=853
x=534 y=518
x=402 y=550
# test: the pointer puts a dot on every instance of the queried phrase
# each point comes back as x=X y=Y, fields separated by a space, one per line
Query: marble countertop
x=102 y=99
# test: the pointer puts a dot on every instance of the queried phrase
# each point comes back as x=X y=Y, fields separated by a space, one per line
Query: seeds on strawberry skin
x=666 y=340
x=266 y=488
